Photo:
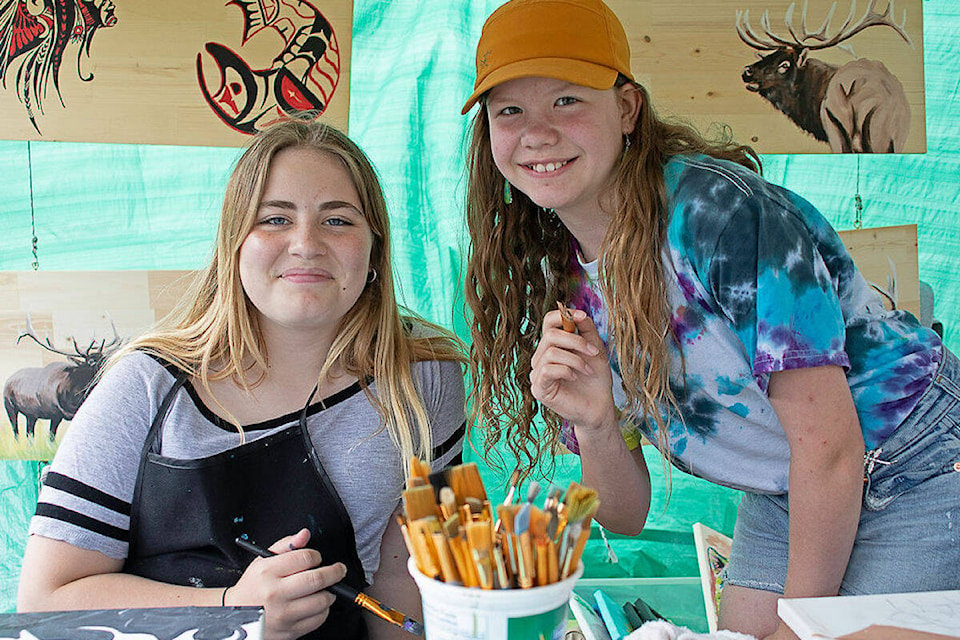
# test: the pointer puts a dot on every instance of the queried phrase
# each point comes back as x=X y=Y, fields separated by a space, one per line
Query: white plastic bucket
x=451 y=612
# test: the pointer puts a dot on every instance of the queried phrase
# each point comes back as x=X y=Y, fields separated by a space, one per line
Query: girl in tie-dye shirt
x=716 y=314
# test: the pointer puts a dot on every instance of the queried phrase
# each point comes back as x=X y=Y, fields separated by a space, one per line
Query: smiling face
x=305 y=261
x=558 y=142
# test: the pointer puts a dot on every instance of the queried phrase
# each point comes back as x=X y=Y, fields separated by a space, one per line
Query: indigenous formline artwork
x=302 y=77
x=191 y=72
x=212 y=623
x=34 y=35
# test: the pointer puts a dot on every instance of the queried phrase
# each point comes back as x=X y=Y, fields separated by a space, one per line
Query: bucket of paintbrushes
x=453 y=612
x=488 y=573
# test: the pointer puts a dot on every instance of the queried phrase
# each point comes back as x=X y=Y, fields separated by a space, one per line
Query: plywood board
x=150 y=71
x=887 y=258
x=689 y=55
x=63 y=307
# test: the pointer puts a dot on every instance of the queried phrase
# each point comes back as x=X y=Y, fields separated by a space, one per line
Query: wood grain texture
x=144 y=86
x=689 y=56
x=885 y=255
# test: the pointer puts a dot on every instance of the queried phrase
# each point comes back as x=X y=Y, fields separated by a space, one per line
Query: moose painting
x=57 y=330
x=856 y=107
x=54 y=392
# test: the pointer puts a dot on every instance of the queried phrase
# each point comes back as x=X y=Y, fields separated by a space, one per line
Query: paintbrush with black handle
x=349 y=593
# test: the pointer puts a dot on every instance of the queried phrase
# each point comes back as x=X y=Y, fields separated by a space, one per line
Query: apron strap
x=342 y=512
x=153 y=438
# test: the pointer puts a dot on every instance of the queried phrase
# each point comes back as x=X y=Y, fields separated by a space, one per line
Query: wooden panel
x=139 y=81
x=68 y=305
x=887 y=257
x=690 y=57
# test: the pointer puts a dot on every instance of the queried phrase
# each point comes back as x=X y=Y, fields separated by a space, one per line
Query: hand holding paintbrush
x=350 y=594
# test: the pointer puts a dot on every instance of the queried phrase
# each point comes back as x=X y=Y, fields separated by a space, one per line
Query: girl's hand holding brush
x=291 y=587
x=570 y=373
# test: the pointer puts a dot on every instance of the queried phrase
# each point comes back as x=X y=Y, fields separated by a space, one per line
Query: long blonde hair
x=518 y=268
x=213 y=333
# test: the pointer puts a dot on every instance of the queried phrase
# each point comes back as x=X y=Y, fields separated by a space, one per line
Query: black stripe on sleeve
x=57 y=512
x=86 y=492
x=456 y=438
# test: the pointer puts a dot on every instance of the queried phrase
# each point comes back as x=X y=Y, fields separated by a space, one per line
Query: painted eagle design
x=34 y=35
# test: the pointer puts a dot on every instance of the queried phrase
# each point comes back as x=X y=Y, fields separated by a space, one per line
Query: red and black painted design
x=34 y=35
x=303 y=75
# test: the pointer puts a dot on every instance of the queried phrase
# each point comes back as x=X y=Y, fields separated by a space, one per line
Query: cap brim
x=579 y=72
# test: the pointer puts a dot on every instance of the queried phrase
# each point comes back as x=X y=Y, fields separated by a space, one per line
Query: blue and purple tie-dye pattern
x=759 y=282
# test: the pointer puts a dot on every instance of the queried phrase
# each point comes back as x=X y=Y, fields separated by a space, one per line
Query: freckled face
x=304 y=263
x=558 y=142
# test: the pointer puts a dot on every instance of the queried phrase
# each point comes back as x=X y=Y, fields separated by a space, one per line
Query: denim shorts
x=909 y=533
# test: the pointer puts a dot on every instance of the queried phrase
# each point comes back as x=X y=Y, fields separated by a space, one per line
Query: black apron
x=186 y=514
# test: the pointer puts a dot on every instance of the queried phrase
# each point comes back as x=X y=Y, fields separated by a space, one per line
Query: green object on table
x=632 y=616
x=644 y=611
x=679 y=600
x=616 y=622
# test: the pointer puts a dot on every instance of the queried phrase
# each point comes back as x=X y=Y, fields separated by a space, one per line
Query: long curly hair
x=213 y=333
x=519 y=260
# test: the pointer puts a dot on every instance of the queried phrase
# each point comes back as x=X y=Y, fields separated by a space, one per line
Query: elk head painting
x=857 y=107
x=54 y=392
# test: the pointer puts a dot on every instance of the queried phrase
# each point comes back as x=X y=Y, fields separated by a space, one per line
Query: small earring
x=507 y=193
x=371 y=275
x=626 y=143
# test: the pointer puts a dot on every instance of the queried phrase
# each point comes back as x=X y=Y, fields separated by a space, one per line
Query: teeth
x=547 y=168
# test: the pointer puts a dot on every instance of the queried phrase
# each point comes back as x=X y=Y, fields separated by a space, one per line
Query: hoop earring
x=371 y=275
x=507 y=193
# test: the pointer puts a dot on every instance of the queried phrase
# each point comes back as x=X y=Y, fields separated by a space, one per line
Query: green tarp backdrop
x=103 y=206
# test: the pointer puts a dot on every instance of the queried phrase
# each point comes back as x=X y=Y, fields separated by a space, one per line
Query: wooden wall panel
x=888 y=255
x=688 y=54
x=145 y=87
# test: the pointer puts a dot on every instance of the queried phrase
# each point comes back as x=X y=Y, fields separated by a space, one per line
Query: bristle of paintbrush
x=425 y=554
x=581 y=503
x=419 y=502
x=581 y=541
x=550 y=508
x=419 y=473
x=466 y=482
x=476 y=506
x=532 y=491
x=448 y=502
x=505 y=517
x=538 y=524
x=481 y=550
x=525 y=564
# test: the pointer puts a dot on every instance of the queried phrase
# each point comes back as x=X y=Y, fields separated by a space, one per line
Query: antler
x=751 y=39
x=46 y=343
x=92 y=349
x=821 y=38
x=104 y=345
x=870 y=18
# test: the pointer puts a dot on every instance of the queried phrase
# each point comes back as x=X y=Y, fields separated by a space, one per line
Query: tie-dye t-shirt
x=758 y=282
